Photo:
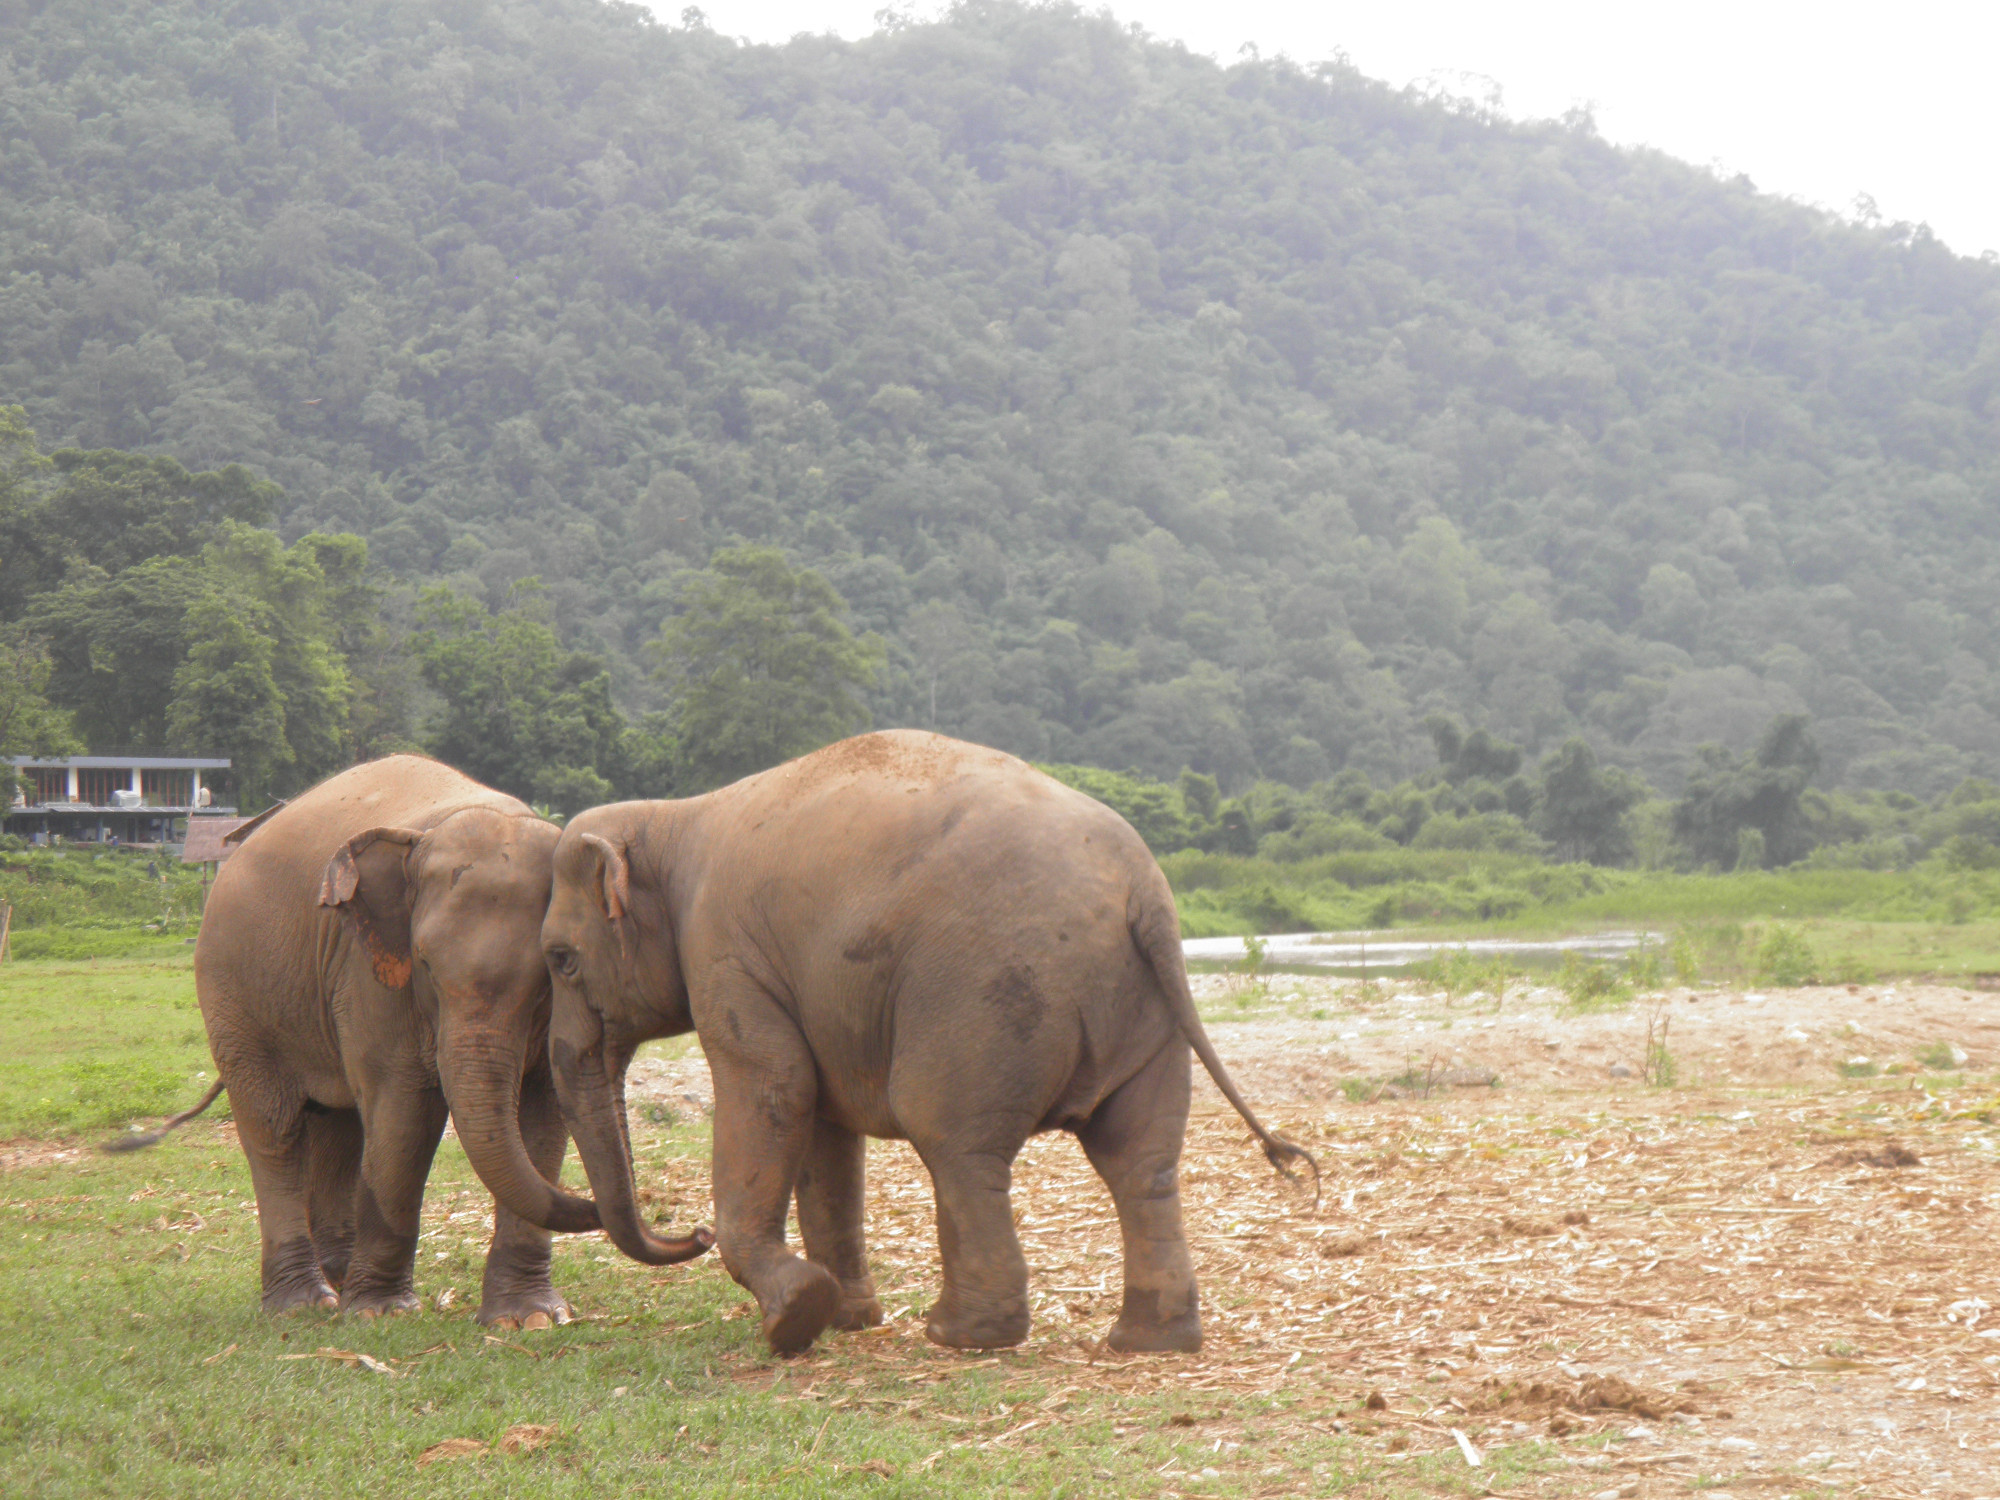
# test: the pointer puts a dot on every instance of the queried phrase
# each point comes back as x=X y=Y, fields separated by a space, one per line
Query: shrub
x=1786 y=959
x=1592 y=985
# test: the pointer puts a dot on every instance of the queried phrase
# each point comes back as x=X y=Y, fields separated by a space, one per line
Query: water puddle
x=1357 y=954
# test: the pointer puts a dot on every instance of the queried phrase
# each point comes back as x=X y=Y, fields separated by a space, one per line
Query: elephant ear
x=366 y=882
x=614 y=878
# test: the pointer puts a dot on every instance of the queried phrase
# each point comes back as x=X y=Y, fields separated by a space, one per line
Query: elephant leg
x=765 y=1089
x=333 y=1172
x=1134 y=1141
x=831 y=1197
x=985 y=1300
x=401 y=1129
x=517 y=1292
x=274 y=1141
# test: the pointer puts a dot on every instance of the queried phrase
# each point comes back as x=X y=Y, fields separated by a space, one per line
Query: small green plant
x=1786 y=959
x=1659 y=1067
x=1644 y=969
x=1592 y=985
x=1361 y=1090
x=1459 y=972
x=1859 y=1067
x=1941 y=1057
x=1684 y=961
x=1254 y=951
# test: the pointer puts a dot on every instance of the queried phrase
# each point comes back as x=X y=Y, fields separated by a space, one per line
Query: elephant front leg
x=764 y=1095
x=401 y=1132
x=1134 y=1141
x=831 y=1196
x=517 y=1292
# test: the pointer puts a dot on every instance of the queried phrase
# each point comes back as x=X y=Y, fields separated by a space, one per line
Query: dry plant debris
x=1754 y=1288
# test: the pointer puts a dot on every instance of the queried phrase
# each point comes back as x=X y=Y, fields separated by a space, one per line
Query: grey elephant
x=369 y=963
x=898 y=936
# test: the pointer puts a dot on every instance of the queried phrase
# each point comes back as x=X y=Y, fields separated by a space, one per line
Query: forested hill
x=1157 y=413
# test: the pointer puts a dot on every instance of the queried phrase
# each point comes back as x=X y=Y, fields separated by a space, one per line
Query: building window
x=95 y=784
x=167 y=788
x=47 y=783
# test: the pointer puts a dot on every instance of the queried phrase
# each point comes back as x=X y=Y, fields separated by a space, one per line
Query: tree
x=1762 y=793
x=761 y=665
x=520 y=712
x=29 y=723
x=113 y=511
x=1583 y=807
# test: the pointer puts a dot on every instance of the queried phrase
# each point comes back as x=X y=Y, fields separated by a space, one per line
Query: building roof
x=121 y=762
x=205 y=840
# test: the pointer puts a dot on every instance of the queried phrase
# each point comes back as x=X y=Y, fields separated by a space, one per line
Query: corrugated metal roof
x=205 y=840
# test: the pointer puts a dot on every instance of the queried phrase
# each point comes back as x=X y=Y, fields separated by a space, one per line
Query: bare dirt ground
x=1770 y=1277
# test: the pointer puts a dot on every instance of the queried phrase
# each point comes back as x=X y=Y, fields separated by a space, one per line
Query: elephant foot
x=806 y=1300
x=293 y=1281
x=991 y=1328
x=545 y=1308
x=857 y=1312
x=380 y=1304
x=1142 y=1329
x=303 y=1298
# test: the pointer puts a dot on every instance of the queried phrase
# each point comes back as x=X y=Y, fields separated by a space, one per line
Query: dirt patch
x=1778 y=1277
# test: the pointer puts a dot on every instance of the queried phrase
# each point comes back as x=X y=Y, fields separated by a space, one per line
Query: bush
x=1786 y=959
x=1592 y=985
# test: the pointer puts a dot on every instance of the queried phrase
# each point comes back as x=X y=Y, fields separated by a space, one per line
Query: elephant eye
x=563 y=961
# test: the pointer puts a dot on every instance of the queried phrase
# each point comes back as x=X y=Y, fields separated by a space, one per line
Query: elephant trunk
x=593 y=1100
x=483 y=1085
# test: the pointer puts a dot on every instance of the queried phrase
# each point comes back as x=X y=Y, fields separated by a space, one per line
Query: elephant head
x=455 y=913
x=609 y=945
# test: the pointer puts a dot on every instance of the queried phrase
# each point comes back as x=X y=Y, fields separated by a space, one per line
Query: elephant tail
x=1157 y=934
x=154 y=1137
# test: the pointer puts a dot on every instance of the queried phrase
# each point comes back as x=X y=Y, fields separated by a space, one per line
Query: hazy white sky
x=1820 y=101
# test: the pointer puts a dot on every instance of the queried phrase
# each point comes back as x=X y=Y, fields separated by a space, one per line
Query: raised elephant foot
x=999 y=1328
x=526 y=1310
x=1141 y=1329
x=380 y=1304
x=807 y=1299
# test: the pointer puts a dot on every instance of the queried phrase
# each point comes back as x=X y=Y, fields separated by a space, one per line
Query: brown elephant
x=898 y=936
x=370 y=962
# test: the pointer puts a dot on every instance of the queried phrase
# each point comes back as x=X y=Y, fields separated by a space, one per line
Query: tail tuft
x=1281 y=1153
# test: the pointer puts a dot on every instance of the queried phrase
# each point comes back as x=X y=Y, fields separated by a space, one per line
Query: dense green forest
x=1145 y=413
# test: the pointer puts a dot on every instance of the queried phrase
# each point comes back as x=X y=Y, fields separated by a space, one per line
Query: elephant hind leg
x=832 y=1194
x=273 y=1135
x=1134 y=1141
x=333 y=1170
x=968 y=1136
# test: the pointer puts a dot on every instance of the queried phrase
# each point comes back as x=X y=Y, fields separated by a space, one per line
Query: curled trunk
x=483 y=1086
x=593 y=1101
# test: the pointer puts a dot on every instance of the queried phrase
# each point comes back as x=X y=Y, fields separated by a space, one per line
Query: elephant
x=369 y=962
x=899 y=936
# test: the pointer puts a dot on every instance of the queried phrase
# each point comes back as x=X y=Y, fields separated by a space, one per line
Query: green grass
x=138 y=1364
x=91 y=1045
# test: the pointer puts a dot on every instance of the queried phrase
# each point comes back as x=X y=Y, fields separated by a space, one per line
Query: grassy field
x=137 y=1363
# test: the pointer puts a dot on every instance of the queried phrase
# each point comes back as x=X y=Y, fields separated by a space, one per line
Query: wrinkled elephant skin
x=898 y=936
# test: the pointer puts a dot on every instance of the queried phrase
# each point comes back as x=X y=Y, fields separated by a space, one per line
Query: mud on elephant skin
x=369 y=964
x=898 y=936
